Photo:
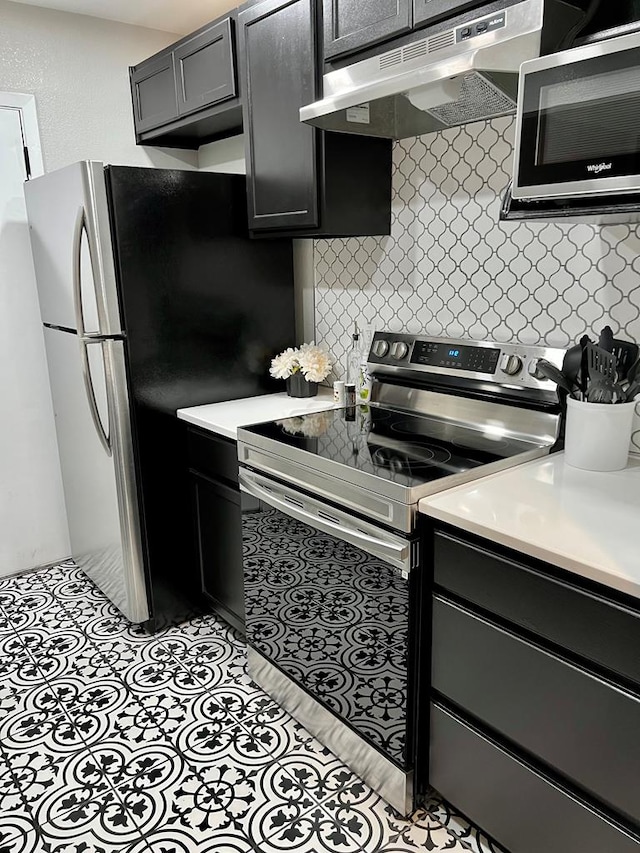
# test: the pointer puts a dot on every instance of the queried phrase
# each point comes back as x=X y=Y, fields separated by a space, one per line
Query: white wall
x=226 y=155
x=77 y=68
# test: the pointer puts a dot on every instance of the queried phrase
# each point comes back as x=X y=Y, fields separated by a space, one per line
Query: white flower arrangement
x=312 y=361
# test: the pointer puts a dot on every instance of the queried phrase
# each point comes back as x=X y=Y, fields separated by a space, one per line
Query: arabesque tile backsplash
x=450 y=268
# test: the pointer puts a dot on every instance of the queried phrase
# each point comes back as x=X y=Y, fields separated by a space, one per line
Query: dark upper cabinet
x=426 y=11
x=187 y=94
x=302 y=181
x=154 y=94
x=351 y=25
x=278 y=57
x=205 y=68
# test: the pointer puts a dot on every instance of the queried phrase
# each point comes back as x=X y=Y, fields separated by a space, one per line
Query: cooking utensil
x=571 y=364
x=585 y=341
x=633 y=372
x=606 y=339
x=600 y=392
x=550 y=371
x=631 y=391
x=602 y=362
x=626 y=354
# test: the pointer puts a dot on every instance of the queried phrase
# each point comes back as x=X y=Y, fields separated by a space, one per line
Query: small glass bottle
x=354 y=358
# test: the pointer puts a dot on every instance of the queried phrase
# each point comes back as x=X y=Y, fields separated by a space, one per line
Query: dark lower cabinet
x=213 y=472
x=302 y=181
x=523 y=808
x=351 y=25
x=535 y=679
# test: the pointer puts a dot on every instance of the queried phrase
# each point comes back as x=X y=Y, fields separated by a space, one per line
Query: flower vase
x=298 y=386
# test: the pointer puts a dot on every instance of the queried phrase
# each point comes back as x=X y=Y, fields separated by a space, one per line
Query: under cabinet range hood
x=461 y=71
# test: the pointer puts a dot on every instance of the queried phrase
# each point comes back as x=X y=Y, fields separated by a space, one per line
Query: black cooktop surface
x=403 y=448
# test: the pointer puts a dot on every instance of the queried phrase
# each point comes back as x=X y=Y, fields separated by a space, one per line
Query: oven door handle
x=395 y=552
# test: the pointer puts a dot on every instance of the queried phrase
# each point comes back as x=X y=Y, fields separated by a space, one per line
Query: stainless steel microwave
x=578 y=122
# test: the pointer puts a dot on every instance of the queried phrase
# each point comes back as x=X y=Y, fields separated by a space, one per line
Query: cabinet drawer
x=571 y=720
x=521 y=809
x=212 y=455
x=541 y=604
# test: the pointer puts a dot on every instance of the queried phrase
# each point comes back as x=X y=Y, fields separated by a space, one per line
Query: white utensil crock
x=598 y=435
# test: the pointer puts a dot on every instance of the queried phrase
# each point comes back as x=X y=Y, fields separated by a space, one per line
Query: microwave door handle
x=397 y=554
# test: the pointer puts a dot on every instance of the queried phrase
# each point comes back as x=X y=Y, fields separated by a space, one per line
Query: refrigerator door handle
x=79 y=227
x=103 y=435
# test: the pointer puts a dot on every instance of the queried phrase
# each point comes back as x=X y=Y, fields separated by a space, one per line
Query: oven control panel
x=513 y=365
x=456 y=356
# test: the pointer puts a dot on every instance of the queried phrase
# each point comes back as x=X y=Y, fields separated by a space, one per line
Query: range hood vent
x=465 y=73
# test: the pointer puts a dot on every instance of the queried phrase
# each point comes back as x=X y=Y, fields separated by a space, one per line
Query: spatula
x=602 y=362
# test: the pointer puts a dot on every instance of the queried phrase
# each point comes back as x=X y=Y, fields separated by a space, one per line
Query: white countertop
x=584 y=522
x=225 y=418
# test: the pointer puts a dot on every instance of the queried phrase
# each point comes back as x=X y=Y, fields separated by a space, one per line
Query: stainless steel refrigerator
x=152 y=298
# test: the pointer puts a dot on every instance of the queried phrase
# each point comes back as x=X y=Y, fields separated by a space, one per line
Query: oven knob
x=399 y=350
x=381 y=348
x=532 y=369
x=511 y=365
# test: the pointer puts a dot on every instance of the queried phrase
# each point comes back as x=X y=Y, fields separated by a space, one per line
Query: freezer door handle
x=79 y=227
x=103 y=434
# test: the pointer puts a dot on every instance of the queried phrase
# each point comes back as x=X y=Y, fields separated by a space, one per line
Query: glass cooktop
x=403 y=448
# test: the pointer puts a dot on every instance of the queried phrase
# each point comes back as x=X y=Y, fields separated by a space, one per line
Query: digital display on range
x=473 y=359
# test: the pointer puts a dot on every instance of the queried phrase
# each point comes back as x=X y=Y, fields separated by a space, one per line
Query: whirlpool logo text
x=597 y=168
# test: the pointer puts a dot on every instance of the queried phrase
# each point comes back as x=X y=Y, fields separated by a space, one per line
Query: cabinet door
x=279 y=61
x=425 y=11
x=204 y=68
x=154 y=93
x=219 y=544
x=351 y=25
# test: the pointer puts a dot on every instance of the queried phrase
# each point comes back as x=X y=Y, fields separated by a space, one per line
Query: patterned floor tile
x=102 y=825
x=18 y=834
x=124 y=721
x=21 y=671
x=174 y=795
x=473 y=837
x=316 y=769
x=41 y=751
x=310 y=832
x=377 y=827
x=118 y=763
x=115 y=741
x=212 y=661
x=183 y=841
x=151 y=676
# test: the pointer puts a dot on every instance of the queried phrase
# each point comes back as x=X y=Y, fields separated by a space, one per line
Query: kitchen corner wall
x=450 y=268
x=77 y=66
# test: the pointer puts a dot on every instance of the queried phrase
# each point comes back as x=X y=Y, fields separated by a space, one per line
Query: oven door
x=577 y=122
x=327 y=602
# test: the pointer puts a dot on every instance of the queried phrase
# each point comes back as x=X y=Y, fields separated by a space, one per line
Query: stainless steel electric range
x=331 y=542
